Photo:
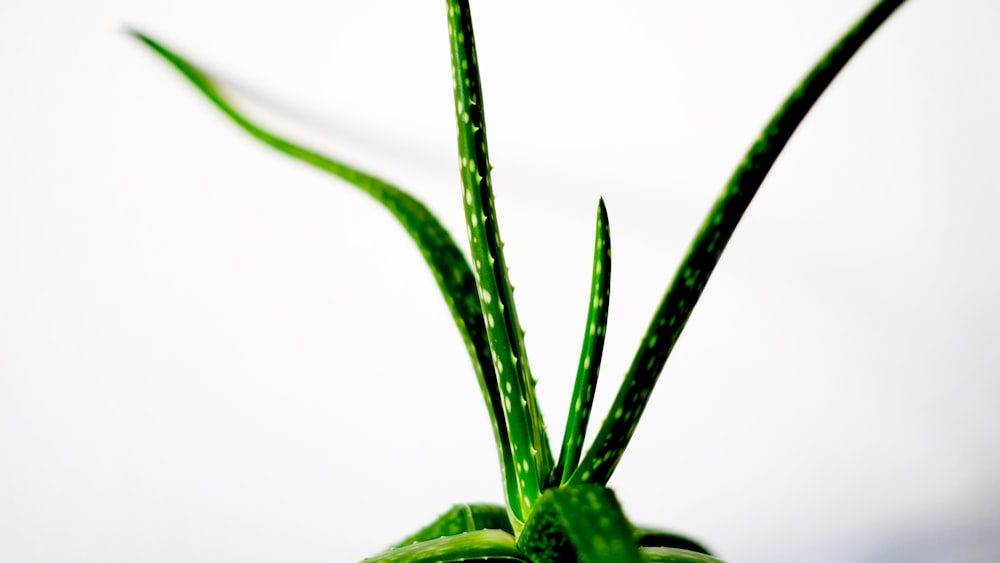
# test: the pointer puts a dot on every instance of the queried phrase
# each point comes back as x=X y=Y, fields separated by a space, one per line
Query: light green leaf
x=689 y=281
x=591 y=352
x=487 y=545
x=529 y=442
x=463 y=518
x=671 y=555
x=449 y=266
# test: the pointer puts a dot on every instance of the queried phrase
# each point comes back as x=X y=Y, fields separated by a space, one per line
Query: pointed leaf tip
x=689 y=281
x=591 y=353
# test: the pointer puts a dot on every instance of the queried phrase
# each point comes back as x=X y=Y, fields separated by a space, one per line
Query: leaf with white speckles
x=446 y=261
x=581 y=523
x=460 y=519
x=590 y=355
x=485 y=545
x=689 y=281
x=529 y=445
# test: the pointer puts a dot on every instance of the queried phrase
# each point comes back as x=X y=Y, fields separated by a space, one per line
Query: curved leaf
x=449 y=266
x=463 y=518
x=659 y=538
x=671 y=555
x=704 y=253
x=487 y=545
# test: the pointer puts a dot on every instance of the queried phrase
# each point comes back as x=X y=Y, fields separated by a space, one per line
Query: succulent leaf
x=660 y=538
x=487 y=545
x=529 y=442
x=449 y=266
x=463 y=518
x=589 y=366
x=689 y=281
x=672 y=555
x=579 y=523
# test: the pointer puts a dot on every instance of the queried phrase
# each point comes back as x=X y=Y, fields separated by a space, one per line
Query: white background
x=210 y=353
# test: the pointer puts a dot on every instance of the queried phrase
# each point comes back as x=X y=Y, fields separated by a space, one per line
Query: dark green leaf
x=689 y=281
x=529 y=442
x=446 y=261
x=581 y=523
x=591 y=352
x=659 y=538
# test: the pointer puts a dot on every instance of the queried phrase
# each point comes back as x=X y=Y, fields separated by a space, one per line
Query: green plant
x=557 y=509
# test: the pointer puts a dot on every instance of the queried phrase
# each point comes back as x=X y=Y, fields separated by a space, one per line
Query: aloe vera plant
x=557 y=508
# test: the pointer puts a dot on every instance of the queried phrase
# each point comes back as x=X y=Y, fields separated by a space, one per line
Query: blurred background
x=211 y=353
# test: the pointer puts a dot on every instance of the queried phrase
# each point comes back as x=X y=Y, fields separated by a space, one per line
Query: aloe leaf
x=487 y=545
x=659 y=538
x=671 y=555
x=463 y=518
x=704 y=253
x=529 y=442
x=581 y=523
x=449 y=266
x=591 y=352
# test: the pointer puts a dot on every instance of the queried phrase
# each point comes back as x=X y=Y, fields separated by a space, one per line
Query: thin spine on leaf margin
x=529 y=442
x=591 y=352
x=460 y=519
x=488 y=545
x=704 y=253
x=449 y=266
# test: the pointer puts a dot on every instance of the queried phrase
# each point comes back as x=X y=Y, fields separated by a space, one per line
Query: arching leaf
x=704 y=253
x=447 y=263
